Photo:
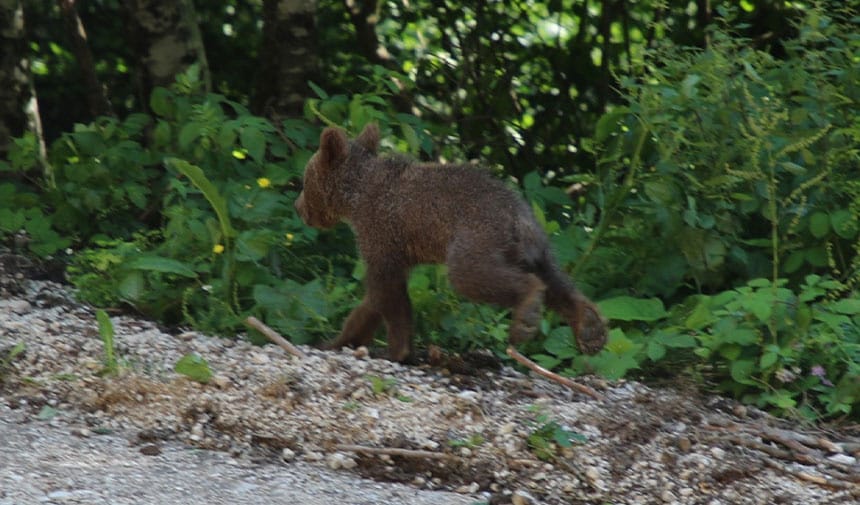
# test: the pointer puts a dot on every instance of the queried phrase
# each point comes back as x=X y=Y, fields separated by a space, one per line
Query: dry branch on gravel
x=531 y=365
x=393 y=451
x=274 y=336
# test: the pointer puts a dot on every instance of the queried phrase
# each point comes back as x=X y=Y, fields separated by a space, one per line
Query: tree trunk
x=19 y=109
x=288 y=57
x=167 y=40
x=96 y=98
x=14 y=74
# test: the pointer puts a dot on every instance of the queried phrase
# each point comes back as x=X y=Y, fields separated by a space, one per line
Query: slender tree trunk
x=288 y=57
x=14 y=73
x=19 y=109
x=364 y=15
x=167 y=40
x=96 y=97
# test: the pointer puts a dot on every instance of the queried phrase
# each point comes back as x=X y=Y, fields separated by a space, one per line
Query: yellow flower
x=290 y=237
x=218 y=248
x=264 y=182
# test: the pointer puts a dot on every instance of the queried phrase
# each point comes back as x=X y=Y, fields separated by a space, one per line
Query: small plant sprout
x=106 y=332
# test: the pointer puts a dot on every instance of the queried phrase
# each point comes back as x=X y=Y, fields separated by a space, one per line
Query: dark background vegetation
x=695 y=163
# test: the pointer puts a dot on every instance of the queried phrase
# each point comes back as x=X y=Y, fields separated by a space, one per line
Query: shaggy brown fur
x=405 y=213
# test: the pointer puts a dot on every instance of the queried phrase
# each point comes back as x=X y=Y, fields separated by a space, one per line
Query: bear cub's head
x=322 y=202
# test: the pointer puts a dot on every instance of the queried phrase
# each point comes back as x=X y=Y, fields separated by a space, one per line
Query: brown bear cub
x=404 y=213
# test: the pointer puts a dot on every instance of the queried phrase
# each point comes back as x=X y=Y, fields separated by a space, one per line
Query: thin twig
x=823 y=481
x=531 y=365
x=272 y=335
x=393 y=451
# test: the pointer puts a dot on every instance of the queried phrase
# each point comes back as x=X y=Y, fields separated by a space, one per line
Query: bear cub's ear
x=369 y=138
x=334 y=147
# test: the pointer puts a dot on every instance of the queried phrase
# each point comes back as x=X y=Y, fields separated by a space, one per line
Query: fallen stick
x=531 y=365
x=272 y=335
x=392 y=451
x=823 y=481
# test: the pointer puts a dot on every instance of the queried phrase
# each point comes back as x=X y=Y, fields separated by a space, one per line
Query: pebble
x=522 y=497
x=339 y=460
x=592 y=474
x=844 y=459
x=16 y=306
x=469 y=489
x=150 y=450
x=288 y=454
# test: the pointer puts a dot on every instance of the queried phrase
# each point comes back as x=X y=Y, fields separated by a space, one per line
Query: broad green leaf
x=252 y=245
x=819 y=224
x=768 y=359
x=560 y=343
x=678 y=340
x=608 y=122
x=131 y=286
x=628 y=308
x=255 y=142
x=163 y=265
x=194 y=367
x=844 y=224
x=742 y=336
x=160 y=101
x=655 y=351
x=188 y=134
x=47 y=413
x=741 y=370
x=848 y=306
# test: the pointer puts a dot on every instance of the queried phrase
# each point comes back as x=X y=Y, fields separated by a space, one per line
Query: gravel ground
x=271 y=426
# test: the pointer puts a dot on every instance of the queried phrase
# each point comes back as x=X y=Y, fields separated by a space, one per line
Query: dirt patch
x=640 y=445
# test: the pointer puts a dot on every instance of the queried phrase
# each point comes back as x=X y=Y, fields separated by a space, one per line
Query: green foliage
x=106 y=332
x=714 y=211
x=472 y=441
x=381 y=385
x=8 y=357
x=194 y=367
x=728 y=163
x=547 y=436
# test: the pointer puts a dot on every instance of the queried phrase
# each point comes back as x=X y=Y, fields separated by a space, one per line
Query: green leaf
x=160 y=101
x=106 y=332
x=688 y=86
x=768 y=359
x=252 y=245
x=47 y=413
x=655 y=351
x=560 y=343
x=819 y=224
x=628 y=308
x=608 y=122
x=848 y=306
x=255 y=142
x=131 y=286
x=742 y=336
x=11 y=221
x=188 y=134
x=677 y=340
x=741 y=370
x=163 y=265
x=319 y=91
x=194 y=367
x=198 y=178
x=844 y=224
